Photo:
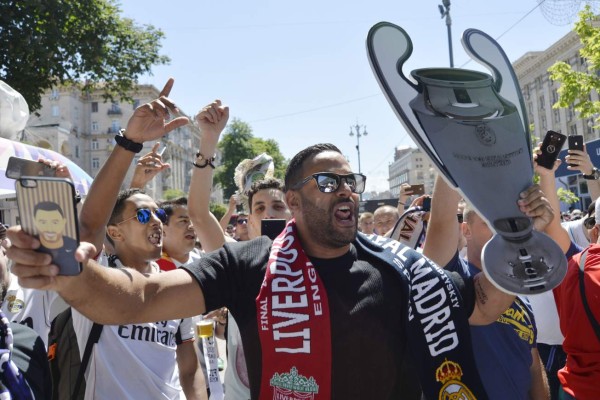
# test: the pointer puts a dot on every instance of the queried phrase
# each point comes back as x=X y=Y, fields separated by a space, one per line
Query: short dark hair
x=117 y=211
x=268 y=183
x=48 y=206
x=170 y=205
x=296 y=165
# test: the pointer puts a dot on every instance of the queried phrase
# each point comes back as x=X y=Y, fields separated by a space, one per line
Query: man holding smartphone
x=161 y=352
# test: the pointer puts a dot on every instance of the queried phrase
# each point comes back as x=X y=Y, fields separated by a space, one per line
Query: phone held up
x=426 y=204
x=575 y=143
x=551 y=146
x=272 y=227
x=417 y=189
x=47 y=211
x=18 y=167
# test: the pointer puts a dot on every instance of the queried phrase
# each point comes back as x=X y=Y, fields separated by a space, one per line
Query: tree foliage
x=238 y=143
x=172 y=194
x=576 y=86
x=86 y=42
x=218 y=210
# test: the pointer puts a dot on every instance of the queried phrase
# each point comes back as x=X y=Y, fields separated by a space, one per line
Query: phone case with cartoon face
x=47 y=211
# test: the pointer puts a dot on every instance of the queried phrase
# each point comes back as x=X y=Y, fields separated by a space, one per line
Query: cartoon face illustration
x=50 y=223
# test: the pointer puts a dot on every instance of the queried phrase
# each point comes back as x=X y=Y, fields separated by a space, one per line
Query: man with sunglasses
x=241 y=227
x=141 y=360
x=303 y=301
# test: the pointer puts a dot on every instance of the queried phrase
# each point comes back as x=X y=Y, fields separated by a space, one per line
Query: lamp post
x=358 y=134
x=445 y=12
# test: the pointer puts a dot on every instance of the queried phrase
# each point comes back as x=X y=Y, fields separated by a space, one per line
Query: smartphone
x=18 y=167
x=575 y=143
x=417 y=189
x=426 y=204
x=272 y=227
x=47 y=211
x=553 y=142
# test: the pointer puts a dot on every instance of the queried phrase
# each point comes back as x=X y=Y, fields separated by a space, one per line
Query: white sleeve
x=186 y=329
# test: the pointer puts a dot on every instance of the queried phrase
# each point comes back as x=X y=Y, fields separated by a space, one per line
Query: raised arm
x=109 y=296
x=491 y=302
x=548 y=185
x=147 y=167
x=582 y=162
x=441 y=242
x=212 y=120
x=230 y=209
x=148 y=123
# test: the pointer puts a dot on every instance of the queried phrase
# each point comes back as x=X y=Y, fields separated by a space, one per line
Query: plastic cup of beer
x=204 y=328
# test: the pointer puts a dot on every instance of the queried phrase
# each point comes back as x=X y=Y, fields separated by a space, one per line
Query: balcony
x=115 y=111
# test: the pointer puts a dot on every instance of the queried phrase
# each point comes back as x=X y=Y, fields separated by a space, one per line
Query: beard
x=321 y=223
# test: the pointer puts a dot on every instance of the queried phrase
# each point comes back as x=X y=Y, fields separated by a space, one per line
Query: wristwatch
x=594 y=176
x=128 y=144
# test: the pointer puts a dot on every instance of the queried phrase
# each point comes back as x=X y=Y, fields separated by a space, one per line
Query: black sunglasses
x=328 y=182
x=241 y=221
x=143 y=215
x=589 y=222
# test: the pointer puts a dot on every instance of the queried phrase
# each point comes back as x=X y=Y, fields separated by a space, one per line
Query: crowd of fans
x=337 y=310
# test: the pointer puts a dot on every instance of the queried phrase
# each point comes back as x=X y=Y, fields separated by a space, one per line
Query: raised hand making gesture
x=152 y=120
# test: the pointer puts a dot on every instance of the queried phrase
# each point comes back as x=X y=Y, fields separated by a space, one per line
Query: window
x=573 y=129
x=55 y=111
x=94 y=106
x=76 y=151
x=115 y=125
x=542 y=102
x=554 y=96
x=94 y=126
x=95 y=163
x=114 y=109
x=54 y=95
x=556 y=115
x=136 y=103
x=95 y=145
x=530 y=107
x=544 y=126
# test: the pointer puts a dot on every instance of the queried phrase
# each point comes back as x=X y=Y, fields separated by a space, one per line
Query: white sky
x=298 y=73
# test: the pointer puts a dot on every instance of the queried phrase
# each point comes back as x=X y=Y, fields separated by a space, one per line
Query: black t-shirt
x=369 y=355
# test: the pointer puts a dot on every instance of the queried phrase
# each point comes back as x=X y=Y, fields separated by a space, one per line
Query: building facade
x=83 y=126
x=411 y=166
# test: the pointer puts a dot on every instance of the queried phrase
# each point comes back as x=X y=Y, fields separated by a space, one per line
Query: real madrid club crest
x=449 y=374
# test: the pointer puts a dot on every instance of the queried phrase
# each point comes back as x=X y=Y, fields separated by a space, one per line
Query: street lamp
x=358 y=136
x=445 y=12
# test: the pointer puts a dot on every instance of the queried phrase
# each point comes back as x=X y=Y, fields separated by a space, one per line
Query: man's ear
x=114 y=232
x=466 y=230
x=292 y=199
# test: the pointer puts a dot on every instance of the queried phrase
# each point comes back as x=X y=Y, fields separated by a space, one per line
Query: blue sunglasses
x=143 y=215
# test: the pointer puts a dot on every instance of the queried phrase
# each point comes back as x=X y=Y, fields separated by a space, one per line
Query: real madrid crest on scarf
x=449 y=375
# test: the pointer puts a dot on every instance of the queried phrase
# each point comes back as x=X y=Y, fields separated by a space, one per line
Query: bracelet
x=128 y=144
x=401 y=203
x=207 y=161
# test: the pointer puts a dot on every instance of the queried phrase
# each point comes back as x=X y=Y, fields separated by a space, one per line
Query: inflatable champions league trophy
x=474 y=128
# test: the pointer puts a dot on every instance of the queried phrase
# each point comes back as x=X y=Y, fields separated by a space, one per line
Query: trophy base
x=531 y=266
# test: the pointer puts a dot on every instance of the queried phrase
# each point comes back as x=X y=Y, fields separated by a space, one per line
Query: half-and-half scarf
x=295 y=327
